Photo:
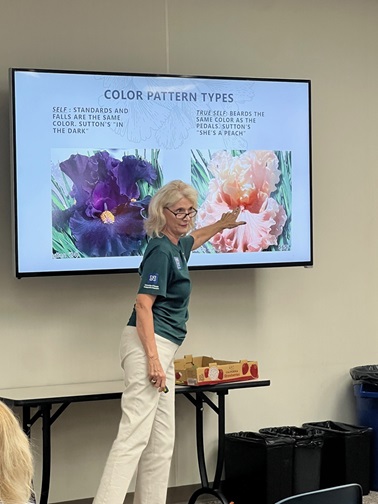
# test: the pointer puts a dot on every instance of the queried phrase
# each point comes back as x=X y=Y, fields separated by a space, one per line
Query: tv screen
x=91 y=148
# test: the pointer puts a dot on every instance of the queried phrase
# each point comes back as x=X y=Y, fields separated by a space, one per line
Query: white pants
x=147 y=429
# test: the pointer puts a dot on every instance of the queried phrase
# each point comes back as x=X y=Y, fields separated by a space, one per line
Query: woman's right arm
x=146 y=333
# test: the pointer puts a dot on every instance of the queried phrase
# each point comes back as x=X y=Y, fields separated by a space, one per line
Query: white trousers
x=146 y=431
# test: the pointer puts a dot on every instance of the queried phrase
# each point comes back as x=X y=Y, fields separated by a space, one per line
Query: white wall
x=306 y=327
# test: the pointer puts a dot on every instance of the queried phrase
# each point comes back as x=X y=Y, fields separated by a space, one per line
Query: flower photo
x=99 y=201
x=256 y=181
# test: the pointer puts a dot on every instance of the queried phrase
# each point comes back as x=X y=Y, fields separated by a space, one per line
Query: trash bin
x=365 y=380
x=365 y=374
x=258 y=468
x=308 y=443
x=367 y=414
x=345 y=455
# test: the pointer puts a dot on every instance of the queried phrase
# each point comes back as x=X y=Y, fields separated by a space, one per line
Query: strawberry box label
x=207 y=370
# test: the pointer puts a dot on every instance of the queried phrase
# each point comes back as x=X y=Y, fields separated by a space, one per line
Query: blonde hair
x=167 y=196
x=16 y=461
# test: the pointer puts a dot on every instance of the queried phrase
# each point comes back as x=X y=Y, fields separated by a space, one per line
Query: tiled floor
x=372 y=498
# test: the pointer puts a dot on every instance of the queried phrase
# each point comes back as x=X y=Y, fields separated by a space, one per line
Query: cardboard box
x=207 y=370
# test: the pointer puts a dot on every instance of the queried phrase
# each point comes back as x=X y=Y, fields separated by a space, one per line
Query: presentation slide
x=90 y=150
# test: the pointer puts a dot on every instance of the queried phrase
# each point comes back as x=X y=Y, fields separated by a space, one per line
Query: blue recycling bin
x=366 y=396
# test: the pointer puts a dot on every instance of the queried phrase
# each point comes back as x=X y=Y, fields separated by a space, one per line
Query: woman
x=16 y=463
x=156 y=329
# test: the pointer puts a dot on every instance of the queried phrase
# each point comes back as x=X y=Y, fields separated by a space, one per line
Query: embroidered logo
x=152 y=282
x=177 y=261
x=153 y=278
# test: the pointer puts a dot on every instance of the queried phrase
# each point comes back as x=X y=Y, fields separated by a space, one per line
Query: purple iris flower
x=107 y=217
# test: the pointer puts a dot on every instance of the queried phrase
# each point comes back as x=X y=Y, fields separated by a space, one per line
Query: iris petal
x=97 y=239
x=106 y=196
x=83 y=171
x=129 y=171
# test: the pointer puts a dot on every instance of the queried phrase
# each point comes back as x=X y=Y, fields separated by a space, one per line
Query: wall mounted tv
x=90 y=148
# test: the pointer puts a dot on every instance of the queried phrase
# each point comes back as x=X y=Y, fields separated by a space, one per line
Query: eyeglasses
x=182 y=215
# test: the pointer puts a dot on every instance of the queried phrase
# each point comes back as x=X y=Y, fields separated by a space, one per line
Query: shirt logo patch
x=178 y=263
x=152 y=282
x=153 y=278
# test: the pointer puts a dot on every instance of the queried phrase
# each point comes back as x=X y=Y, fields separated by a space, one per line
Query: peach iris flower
x=245 y=181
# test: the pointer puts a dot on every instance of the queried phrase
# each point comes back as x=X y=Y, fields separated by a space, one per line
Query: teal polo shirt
x=164 y=274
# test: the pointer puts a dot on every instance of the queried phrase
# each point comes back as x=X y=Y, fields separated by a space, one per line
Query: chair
x=344 y=494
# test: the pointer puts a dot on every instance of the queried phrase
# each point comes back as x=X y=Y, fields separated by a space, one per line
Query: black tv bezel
x=12 y=98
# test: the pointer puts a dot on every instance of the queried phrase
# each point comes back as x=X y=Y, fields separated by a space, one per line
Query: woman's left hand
x=156 y=373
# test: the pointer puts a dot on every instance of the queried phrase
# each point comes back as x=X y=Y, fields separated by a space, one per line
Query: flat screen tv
x=89 y=150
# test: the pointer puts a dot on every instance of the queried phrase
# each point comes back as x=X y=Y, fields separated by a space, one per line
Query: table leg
x=26 y=424
x=44 y=412
x=221 y=440
x=46 y=452
x=220 y=410
x=200 y=441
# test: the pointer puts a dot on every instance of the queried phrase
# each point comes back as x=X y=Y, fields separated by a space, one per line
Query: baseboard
x=175 y=495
